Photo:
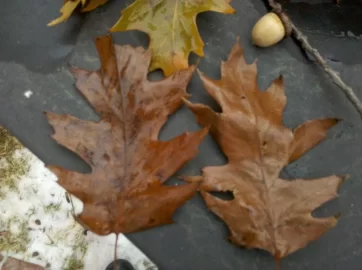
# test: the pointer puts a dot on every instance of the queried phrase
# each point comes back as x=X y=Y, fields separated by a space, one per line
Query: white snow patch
x=54 y=235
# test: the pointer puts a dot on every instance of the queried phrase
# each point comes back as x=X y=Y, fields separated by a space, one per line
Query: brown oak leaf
x=125 y=192
x=267 y=212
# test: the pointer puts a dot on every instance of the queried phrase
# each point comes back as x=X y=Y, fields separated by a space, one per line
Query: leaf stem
x=115 y=254
x=277 y=263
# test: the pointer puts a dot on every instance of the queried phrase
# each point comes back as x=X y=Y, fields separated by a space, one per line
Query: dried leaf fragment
x=171 y=25
x=70 y=5
x=267 y=212
x=15 y=264
x=125 y=191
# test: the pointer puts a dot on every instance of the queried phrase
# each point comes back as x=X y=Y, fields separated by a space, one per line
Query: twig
x=298 y=35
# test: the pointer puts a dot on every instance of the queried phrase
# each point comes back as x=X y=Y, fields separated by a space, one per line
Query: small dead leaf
x=70 y=5
x=125 y=191
x=15 y=264
x=171 y=25
x=267 y=212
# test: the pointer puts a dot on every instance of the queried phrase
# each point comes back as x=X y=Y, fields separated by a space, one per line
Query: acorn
x=268 y=31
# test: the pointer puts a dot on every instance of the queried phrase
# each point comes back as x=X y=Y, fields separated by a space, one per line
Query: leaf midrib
x=260 y=156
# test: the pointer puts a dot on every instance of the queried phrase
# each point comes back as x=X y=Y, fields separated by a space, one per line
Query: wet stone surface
x=34 y=58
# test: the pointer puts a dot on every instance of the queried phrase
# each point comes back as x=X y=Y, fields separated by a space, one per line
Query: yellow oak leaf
x=70 y=5
x=171 y=25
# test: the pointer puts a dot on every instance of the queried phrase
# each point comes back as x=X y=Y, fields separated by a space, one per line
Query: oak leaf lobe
x=69 y=7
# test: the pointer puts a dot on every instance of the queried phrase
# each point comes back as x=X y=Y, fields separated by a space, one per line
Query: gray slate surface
x=34 y=57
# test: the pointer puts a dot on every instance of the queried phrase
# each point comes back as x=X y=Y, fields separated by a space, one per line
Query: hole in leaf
x=223 y=195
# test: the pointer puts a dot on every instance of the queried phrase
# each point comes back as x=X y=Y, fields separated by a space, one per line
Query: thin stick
x=298 y=35
x=115 y=265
